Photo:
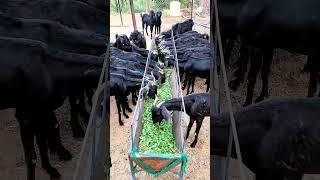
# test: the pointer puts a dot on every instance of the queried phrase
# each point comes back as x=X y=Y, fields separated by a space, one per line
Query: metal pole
x=133 y=15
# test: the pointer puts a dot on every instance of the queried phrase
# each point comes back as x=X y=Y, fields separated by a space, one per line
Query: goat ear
x=117 y=35
x=165 y=113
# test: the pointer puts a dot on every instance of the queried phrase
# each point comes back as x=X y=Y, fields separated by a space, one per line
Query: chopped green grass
x=157 y=139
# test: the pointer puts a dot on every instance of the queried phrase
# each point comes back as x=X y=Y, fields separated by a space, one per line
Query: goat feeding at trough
x=197 y=107
x=157 y=138
x=138 y=39
x=193 y=52
x=126 y=73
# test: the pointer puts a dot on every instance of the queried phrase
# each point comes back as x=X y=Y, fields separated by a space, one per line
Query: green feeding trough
x=156 y=148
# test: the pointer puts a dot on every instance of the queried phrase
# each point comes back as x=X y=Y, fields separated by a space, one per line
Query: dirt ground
x=286 y=80
x=198 y=157
x=12 y=166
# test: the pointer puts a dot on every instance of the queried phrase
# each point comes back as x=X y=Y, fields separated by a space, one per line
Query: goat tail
x=141 y=14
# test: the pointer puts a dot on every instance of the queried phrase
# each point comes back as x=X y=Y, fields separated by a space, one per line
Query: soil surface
x=12 y=165
x=198 y=158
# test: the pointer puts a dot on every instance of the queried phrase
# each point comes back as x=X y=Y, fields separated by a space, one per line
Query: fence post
x=133 y=15
x=147 y=6
x=191 y=8
x=119 y=9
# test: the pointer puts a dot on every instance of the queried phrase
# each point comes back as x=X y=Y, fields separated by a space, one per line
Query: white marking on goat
x=56 y=126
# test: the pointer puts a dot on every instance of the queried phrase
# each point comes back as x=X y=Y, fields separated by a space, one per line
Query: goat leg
x=193 y=81
x=126 y=106
x=142 y=28
x=189 y=84
x=252 y=77
x=242 y=64
x=314 y=66
x=77 y=130
x=83 y=111
x=147 y=29
x=199 y=124
x=41 y=141
x=54 y=139
x=265 y=71
x=27 y=138
x=119 y=111
x=151 y=29
x=189 y=127
x=133 y=97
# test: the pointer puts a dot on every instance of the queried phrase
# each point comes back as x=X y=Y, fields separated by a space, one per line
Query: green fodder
x=157 y=139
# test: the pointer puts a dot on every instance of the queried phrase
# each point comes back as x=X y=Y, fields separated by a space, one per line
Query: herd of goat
x=50 y=51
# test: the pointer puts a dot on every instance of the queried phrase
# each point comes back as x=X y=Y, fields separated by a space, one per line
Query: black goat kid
x=197 y=107
x=148 y=20
x=138 y=39
x=157 y=22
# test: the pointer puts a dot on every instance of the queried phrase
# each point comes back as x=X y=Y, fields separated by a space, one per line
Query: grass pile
x=158 y=139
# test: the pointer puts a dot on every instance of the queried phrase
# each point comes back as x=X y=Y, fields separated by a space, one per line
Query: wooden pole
x=147 y=6
x=119 y=7
x=191 y=8
x=133 y=15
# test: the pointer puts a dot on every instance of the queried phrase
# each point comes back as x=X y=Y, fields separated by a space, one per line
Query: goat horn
x=159 y=104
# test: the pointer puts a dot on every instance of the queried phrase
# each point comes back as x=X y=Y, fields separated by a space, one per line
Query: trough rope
x=233 y=129
x=179 y=85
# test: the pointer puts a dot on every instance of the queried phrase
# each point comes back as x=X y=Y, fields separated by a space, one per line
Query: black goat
x=45 y=75
x=138 y=39
x=197 y=107
x=157 y=22
x=274 y=32
x=121 y=85
x=196 y=68
x=178 y=28
x=70 y=13
x=123 y=43
x=279 y=138
x=148 y=20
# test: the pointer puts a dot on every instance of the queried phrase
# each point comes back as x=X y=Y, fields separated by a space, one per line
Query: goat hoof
x=129 y=109
x=121 y=123
x=64 y=154
x=193 y=145
x=134 y=103
x=126 y=116
x=54 y=173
